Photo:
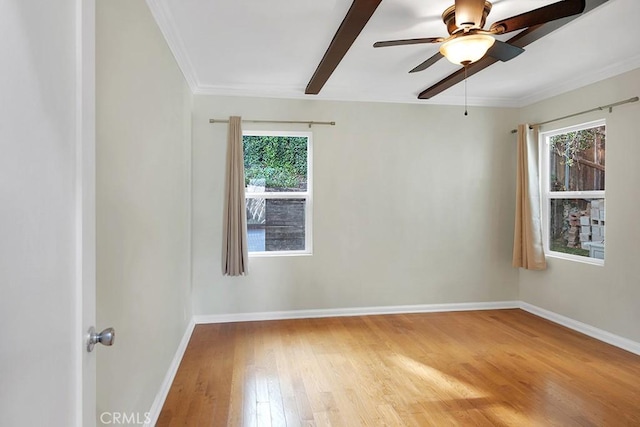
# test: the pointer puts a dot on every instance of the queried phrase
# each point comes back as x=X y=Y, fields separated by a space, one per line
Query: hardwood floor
x=486 y=368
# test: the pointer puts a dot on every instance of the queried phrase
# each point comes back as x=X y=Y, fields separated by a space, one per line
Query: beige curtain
x=234 y=233
x=527 y=241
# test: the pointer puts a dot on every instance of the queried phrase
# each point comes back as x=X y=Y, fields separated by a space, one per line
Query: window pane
x=275 y=163
x=276 y=224
x=577 y=227
x=577 y=160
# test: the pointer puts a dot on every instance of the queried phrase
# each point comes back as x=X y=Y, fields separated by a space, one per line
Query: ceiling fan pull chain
x=465 y=90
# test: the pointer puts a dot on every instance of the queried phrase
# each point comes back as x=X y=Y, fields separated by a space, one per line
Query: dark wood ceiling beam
x=522 y=39
x=357 y=17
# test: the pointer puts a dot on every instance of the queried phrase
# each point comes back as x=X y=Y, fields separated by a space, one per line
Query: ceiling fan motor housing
x=449 y=17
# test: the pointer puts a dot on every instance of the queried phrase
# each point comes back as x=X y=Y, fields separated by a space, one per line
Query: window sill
x=576 y=258
x=279 y=254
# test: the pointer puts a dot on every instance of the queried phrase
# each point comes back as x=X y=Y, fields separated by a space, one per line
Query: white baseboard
x=355 y=311
x=158 y=402
x=599 y=334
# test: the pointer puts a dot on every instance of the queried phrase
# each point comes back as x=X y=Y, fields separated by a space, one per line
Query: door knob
x=106 y=337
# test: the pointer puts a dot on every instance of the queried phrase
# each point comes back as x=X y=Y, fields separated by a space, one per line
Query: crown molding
x=290 y=92
x=162 y=16
x=577 y=82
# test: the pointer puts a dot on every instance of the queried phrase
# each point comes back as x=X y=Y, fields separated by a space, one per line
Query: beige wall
x=607 y=297
x=143 y=204
x=412 y=205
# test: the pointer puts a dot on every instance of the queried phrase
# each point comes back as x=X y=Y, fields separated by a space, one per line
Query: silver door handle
x=106 y=337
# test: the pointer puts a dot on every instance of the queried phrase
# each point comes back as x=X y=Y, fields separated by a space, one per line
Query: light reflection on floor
x=456 y=390
x=441 y=382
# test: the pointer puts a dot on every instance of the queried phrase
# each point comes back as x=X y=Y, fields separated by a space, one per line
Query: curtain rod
x=604 y=107
x=303 y=122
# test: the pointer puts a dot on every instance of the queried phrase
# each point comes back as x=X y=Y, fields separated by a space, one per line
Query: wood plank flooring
x=484 y=368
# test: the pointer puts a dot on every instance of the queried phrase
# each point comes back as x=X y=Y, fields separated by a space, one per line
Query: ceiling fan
x=535 y=24
x=468 y=41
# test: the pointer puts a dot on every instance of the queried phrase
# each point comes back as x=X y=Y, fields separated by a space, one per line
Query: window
x=573 y=192
x=277 y=170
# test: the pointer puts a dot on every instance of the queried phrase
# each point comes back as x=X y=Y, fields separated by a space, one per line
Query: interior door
x=85 y=204
x=47 y=214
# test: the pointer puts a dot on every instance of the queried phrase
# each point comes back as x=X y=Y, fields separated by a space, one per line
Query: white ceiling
x=271 y=48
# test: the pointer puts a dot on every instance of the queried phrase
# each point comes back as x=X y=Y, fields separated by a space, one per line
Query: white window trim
x=546 y=195
x=305 y=195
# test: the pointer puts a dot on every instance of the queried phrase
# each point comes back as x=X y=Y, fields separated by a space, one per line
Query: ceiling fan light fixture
x=467 y=49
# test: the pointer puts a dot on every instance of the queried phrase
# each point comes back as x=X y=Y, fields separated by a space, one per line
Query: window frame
x=546 y=195
x=303 y=195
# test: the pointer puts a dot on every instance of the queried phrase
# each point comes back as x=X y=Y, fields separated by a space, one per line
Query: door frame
x=85 y=212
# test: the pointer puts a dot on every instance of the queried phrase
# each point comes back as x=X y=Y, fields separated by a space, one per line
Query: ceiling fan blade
x=469 y=13
x=504 y=51
x=357 y=17
x=408 y=41
x=561 y=9
x=428 y=63
x=521 y=39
